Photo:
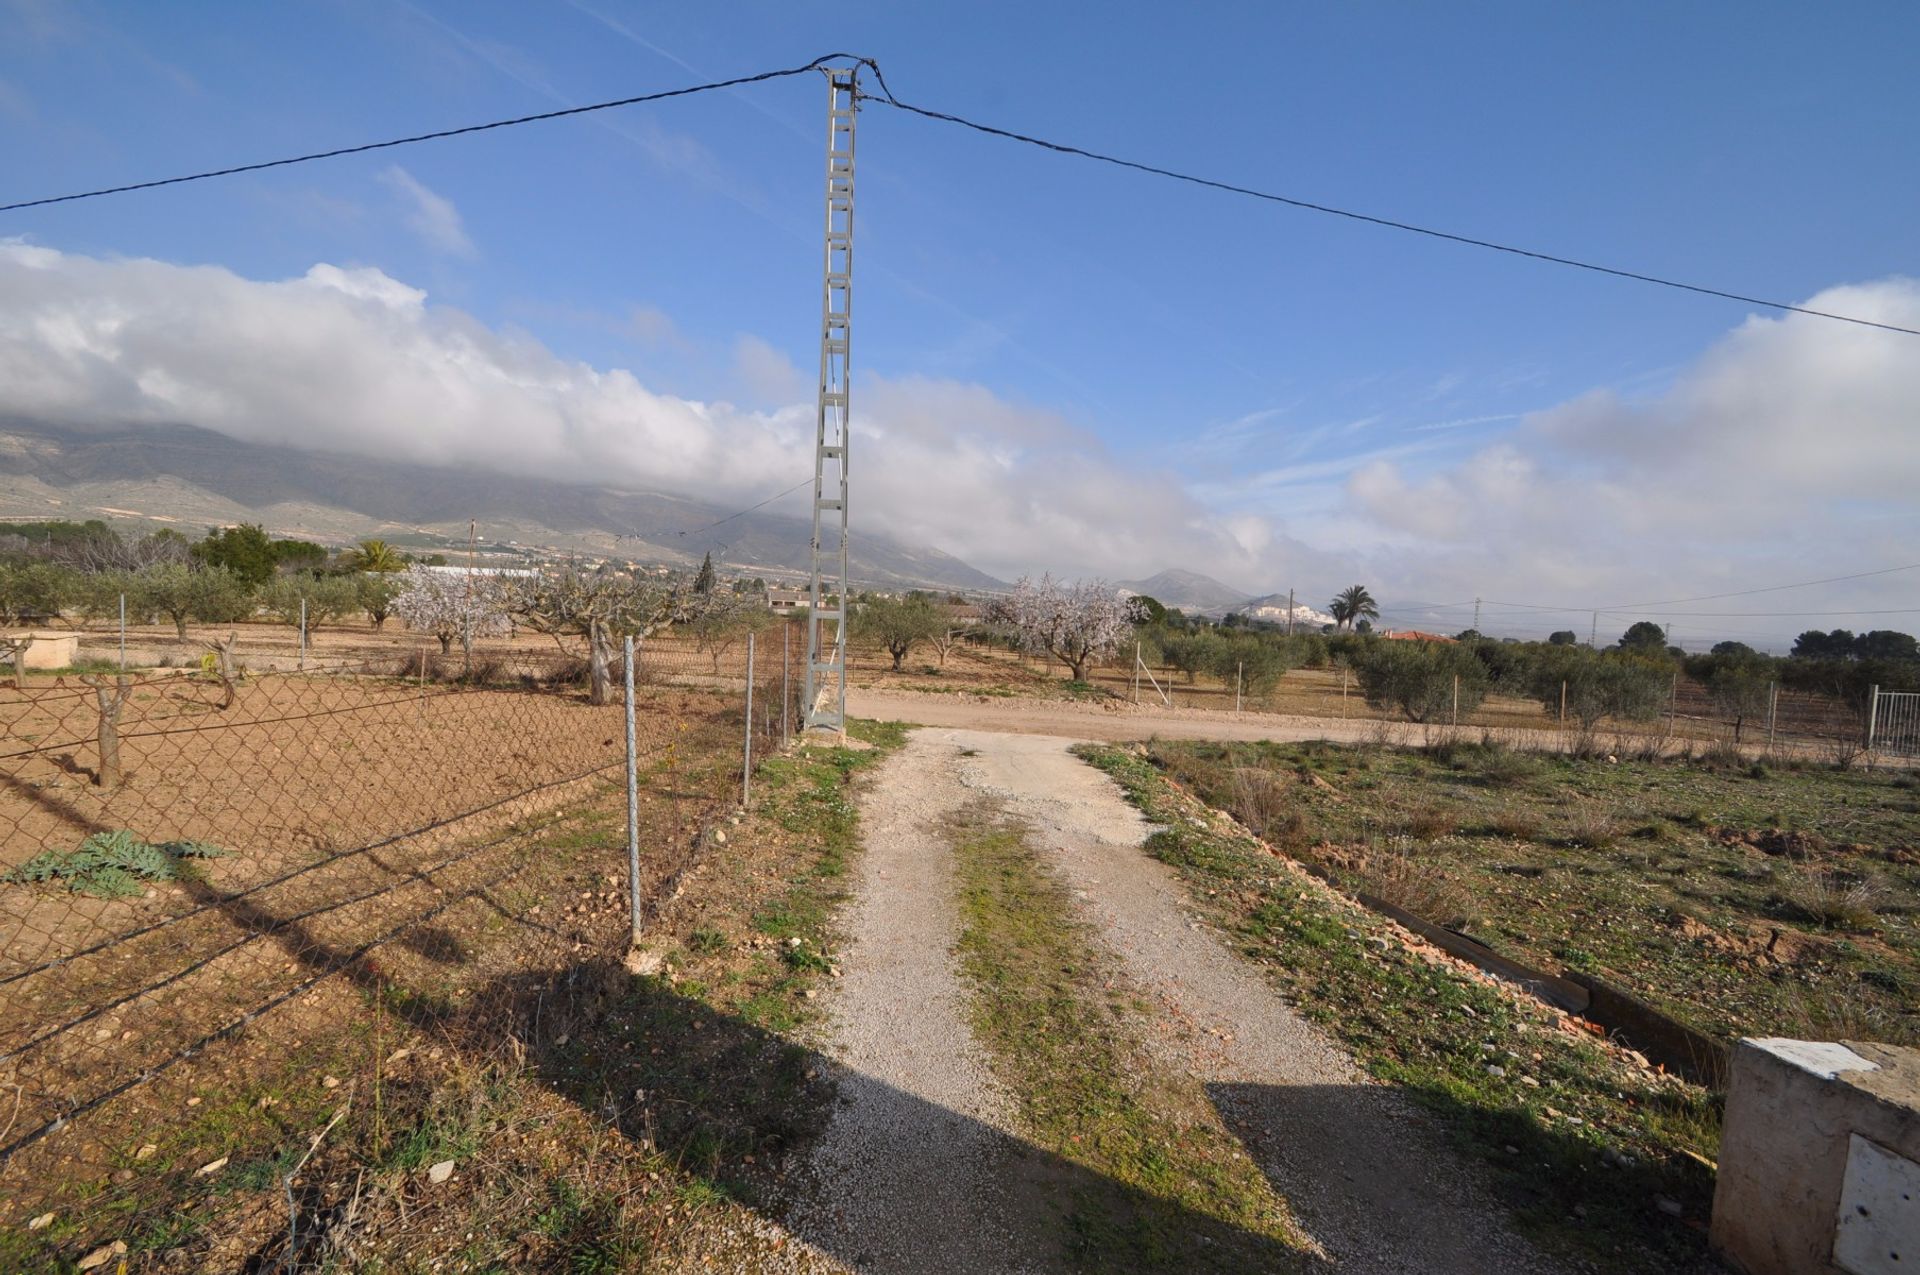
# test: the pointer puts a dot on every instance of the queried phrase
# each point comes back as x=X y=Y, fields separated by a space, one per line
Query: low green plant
x=112 y=865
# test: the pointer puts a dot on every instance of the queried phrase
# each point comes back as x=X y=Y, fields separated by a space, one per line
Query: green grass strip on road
x=1161 y=1186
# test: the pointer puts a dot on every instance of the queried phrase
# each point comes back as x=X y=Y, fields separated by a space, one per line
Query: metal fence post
x=123 y=633
x=1773 y=705
x=1239 y=670
x=1456 y=699
x=303 y=635
x=633 y=802
x=786 y=695
x=1136 y=672
x=746 y=750
x=1563 y=699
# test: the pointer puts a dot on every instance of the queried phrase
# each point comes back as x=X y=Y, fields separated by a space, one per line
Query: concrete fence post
x=123 y=633
x=1563 y=699
x=1773 y=707
x=1136 y=672
x=303 y=635
x=1239 y=671
x=786 y=696
x=1456 y=700
x=633 y=801
x=1873 y=715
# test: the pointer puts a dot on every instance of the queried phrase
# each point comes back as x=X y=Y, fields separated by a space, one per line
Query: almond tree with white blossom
x=1077 y=624
x=450 y=605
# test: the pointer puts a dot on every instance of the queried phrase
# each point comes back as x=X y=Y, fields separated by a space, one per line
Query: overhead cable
x=888 y=99
x=439 y=134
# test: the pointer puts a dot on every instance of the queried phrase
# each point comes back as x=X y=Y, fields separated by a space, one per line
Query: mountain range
x=190 y=478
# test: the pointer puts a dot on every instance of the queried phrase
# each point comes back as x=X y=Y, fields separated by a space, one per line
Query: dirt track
x=1375 y=1187
x=1115 y=720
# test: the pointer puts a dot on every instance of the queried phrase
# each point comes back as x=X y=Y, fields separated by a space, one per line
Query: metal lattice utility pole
x=825 y=685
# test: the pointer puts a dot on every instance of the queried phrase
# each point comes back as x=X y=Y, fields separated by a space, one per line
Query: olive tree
x=1596 y=686
x=897 y=624
x=318 y=598
x=33 y=590
x=722 y=620
x=181 y=593
x=1076 y=624
x=1421 y=679
x=453 y=605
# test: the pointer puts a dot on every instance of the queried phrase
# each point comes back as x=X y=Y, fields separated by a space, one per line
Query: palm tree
x=1352 y=604
x=376 y=555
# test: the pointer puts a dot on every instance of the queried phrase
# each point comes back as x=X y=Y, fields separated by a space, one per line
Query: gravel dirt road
x=1117 y=720
x=919 y=1171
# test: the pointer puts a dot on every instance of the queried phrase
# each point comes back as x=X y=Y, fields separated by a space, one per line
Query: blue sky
x=1315 y=376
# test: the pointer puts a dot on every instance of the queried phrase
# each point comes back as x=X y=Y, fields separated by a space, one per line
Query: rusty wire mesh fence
x=203 y=864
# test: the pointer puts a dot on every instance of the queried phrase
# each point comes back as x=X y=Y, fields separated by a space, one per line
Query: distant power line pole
x=1476 y=615
x=825 y=684
x=1593 y=635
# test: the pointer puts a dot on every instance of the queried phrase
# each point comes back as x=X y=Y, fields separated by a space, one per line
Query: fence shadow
x=725 y=1098
x=1528 y=1166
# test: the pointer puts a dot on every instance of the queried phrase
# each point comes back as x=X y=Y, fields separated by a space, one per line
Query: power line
x=738 y=513
x=1681 y=615
x=1389 y=223
x=1776 y=588
x=736 y=82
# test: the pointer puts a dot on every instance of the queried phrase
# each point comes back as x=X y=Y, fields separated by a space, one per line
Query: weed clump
x=1835 y=901
x=112 y=865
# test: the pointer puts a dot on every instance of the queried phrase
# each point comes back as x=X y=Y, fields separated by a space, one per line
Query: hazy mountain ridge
x=1187 y=591
x=1203 y=595
x=193 y=478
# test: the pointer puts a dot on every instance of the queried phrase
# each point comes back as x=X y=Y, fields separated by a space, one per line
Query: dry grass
x=1592 y=827
x=1432 y=824
x=1836 y=901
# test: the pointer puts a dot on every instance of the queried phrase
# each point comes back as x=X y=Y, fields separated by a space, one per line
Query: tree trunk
x=180 y=625
x=446 y=643
x=899 y=653
x=599 y=662
x=223 y=668
x=1079 y=668
x=109 y=775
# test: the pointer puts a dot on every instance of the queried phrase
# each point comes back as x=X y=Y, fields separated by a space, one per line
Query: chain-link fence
x=200 y=860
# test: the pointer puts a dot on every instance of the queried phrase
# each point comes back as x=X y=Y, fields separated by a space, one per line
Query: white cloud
x=354 y=360
x=431 y=216
x=1789 y=450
